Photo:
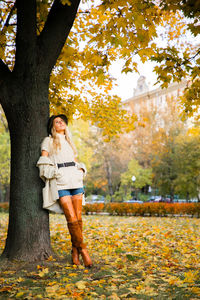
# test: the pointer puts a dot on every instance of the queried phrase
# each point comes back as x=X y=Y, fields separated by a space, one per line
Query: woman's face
x=59 y=125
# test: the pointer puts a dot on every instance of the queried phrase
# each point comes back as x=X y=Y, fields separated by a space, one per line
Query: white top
x=70 y=177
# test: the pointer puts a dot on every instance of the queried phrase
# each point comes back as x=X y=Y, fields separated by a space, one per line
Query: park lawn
x=134 y=258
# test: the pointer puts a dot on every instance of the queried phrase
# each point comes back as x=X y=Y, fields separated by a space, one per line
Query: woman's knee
x=68 y=208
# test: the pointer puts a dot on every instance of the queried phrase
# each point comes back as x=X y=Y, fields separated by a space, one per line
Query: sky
x=127 y=82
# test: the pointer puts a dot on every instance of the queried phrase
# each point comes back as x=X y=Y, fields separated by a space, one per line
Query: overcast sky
x=127 y=82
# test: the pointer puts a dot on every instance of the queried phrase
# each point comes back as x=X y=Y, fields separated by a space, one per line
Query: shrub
x=93 y=208
x=146 y=209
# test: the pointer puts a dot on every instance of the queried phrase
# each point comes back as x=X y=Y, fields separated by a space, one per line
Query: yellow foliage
x=102 y=33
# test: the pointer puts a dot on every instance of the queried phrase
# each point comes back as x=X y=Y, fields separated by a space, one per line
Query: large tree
x=24 y=98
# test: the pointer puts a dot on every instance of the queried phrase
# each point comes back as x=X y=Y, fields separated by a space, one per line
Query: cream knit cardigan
x=48 y=172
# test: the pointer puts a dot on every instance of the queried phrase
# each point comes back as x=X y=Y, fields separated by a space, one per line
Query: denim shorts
x=70 y=192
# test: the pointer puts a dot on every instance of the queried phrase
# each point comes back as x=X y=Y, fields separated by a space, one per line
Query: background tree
x=105 y=160
x=143 y=177
x=4 y=166
x=176 y=169
x=187 y=183
x=153 y=140
x=165 y=168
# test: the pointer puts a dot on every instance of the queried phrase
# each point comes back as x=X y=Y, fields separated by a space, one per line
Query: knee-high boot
x=73 y=226
x=76 y=235
x=77 y=203
x=77 y=242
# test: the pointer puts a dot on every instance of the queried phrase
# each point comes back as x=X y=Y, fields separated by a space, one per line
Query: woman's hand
x=45 y=153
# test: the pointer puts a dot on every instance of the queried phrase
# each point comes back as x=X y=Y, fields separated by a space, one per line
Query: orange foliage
x=93 y=208
x=145 y=209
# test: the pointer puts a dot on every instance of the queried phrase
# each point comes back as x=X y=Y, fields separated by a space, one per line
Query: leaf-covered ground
x=134 y=258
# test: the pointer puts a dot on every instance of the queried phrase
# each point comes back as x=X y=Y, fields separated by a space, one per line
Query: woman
x=63 y=176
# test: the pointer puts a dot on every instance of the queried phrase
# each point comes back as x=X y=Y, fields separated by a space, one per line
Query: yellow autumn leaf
x=43 y=272
x=52 y=283
x=19 y=295
x=72 y=274
x=81 y=285
x=52 y=289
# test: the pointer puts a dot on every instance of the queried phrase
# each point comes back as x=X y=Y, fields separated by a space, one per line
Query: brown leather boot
x=77 y=242
x=77 y=203
x=66 y=203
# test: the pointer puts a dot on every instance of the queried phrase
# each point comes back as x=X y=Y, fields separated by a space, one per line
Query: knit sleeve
x=46 y=144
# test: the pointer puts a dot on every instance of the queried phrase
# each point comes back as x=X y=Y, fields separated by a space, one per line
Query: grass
x=134 y=258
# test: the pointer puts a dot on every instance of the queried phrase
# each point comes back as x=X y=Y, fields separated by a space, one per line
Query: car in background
x=133 y=201
x=95 y=199
x=193 y=200
x=166 y=200
x=179 y=201
x=155 y=199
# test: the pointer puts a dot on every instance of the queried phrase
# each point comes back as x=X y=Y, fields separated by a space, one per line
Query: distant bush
x=145 y=209
x=93 y=208
x=4 y=206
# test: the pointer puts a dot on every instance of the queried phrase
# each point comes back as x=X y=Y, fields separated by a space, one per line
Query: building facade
x=143 y=97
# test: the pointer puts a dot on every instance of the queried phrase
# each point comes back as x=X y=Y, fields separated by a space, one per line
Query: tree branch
x=55 y=32
x=26 y=37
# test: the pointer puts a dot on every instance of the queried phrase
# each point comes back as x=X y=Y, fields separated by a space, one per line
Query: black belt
x=67 y=164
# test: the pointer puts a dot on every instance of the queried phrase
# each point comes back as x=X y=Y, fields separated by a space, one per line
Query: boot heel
x=86 y=258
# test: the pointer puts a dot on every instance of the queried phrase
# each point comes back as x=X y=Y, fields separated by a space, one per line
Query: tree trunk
x=109 y=177
x=28 y=236
x=24 y=98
